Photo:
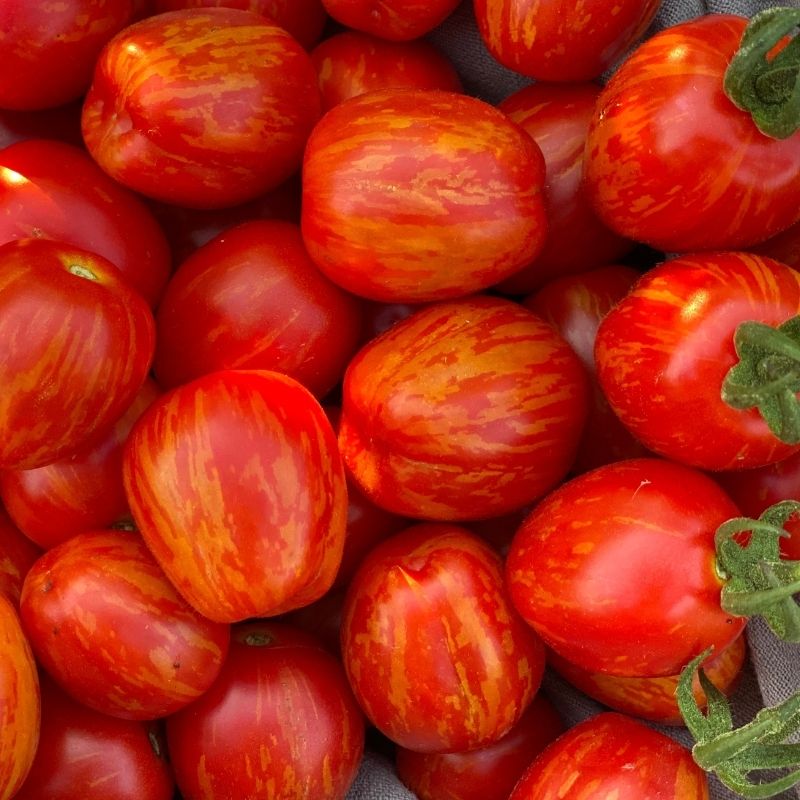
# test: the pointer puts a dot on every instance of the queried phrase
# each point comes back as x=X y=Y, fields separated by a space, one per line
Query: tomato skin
x=281 y=715
x=488 y=773
x=82 y=752
x=663 y=353
x=437 y=448
x=697 y=190
x=17 y=555
x=52 y=190
x=615 y=569
x=611 y=755
x=473 y=216
x=397 y=20
x=76 y=344
x=79 y=492
x=237 y=486
x=157 y=653
x=253 y=299
x=20 y=710
x=430 y=603
x=221 y=101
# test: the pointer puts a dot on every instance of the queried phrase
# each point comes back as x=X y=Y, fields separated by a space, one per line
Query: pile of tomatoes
x=338 y=403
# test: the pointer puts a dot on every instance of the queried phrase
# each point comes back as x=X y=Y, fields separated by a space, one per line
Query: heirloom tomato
x=616 y=569
x=111 y=630
x=665 y=355
x=464 y=410
x=412 y=195
x=613 y=756
x=399 y=20
x=202 y=108
x=17 y=555
x=280 y=721
x=435 y=653
x=673 y=163
x=236 y=484
x=76 y=343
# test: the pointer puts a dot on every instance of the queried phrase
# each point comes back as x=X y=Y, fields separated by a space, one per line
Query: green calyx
x=767 y=88
x=767 y=375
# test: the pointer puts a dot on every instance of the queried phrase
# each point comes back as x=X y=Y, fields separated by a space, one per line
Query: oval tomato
x=17 y=556
x=399 y=20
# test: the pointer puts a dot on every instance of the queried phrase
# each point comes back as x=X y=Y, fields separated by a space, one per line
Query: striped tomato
x=399 y=20
x=17 y=556
x=414 y=195
x=465 y=410
x=109 y=627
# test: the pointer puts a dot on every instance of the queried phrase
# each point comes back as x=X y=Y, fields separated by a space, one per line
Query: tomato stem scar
x=82 y=272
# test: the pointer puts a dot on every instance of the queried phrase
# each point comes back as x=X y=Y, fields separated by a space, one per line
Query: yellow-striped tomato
x=398 y=20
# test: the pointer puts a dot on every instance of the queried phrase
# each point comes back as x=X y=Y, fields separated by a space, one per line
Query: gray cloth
x=773 y=672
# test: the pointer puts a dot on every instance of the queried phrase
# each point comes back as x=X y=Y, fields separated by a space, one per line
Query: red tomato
x=465 y=410
x=351 y=63
x=83 y=753
x=17 y=556
x=448 y=196
x=112 y=631
x=55 y=191
x=664 y=351
x=488 y=773
x=670 y=159
x=280 y=721
x=561 y=40
x=575 y=306
x=615 y=570
x=253 y=299
x=201 y=108
x=19 y=702
x=434 y=651
x=49 y=49
x=62 y=123
x=399 y=20
x=557 y=119
x=76 y=343
x=79 y=492
x=304 y=19
x=611 y=755
x=237 y=486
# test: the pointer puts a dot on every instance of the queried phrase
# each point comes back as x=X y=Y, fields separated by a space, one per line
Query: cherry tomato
x=398 y=20
x=17 y=556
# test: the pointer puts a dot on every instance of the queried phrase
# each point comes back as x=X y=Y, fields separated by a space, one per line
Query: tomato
x=654 y=698
x=784 y=247
x=52 y=190
x=616 y=568
x=398 y=20
x=79 y=492
x=82 y=753
x=560 y=40
x=76 y=343
x=351 y=63
x=49 y=49
x=465 y=410
x=488 y=773
x=610 y=755
x=436 y=655
x=575 y=305
x=201 y=108
x=664 y=351
x=237 y=486
x=17 y=556
x=19 y=702
x=253 y=299
x=280 y=721
x=108 y=626
x=448 y=196
x=557 y=118
x=673 y=163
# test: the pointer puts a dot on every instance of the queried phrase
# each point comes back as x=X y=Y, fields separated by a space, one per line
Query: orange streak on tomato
x=397 y=20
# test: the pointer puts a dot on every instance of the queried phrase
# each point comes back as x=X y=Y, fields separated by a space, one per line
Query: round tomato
x=399 y=20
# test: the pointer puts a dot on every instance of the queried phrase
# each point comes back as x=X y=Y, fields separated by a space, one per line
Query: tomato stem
x=764 y=83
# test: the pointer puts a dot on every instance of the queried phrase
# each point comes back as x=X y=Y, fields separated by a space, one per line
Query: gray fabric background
x=773 y=672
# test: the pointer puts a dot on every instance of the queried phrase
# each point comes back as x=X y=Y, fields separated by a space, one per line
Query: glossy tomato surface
x=670 y=159
x=664 y=351
x=112 y=631
x=611 y=755
x=616 y=569
x=280 y=721
x=398 y=20
x=201 y=108
x=17 y=555
x=416 y=195
x=465 y=410
x=236 y=484
x=76 y=343
x=436 y=655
